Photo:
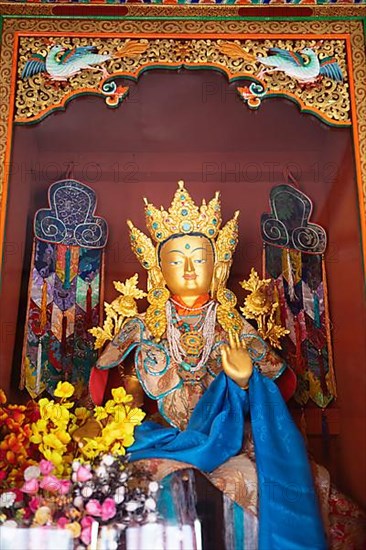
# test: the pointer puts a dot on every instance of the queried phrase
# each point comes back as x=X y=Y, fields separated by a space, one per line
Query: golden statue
x=202 y=362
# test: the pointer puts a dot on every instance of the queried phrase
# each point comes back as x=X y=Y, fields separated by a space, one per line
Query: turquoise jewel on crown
x=186 y=226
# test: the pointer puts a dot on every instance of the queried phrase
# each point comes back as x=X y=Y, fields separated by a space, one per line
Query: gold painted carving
x=117 y=312
x=42 y=93
x=260 y=306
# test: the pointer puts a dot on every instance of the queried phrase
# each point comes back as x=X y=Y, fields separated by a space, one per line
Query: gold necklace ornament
x=192 y=342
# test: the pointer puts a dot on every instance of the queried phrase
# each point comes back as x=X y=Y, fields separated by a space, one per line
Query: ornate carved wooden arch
x=309 y=72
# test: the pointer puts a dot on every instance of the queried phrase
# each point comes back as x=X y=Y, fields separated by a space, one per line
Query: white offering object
x=36 y=538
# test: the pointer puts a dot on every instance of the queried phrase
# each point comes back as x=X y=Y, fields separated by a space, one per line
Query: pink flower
x=108 y=509
x=86 y=535
x=65 y=486
x=51 y=484
x=34 y=504
x=86 y=524
x=87 y=521
x=46 y=467
x=83 y=474
x=61 y=522
x=31 y=486
x=93 y=507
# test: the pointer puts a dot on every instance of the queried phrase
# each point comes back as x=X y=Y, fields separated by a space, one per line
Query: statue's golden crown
x=184 y=217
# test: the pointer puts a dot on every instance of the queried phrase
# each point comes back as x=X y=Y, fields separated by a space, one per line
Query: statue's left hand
x=236 y=361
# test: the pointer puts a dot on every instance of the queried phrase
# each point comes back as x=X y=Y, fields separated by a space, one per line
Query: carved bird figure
x=61 y=63
x=302 y=69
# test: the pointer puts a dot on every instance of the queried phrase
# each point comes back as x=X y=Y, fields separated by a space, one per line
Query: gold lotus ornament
x=261 y=306
x=122 y=308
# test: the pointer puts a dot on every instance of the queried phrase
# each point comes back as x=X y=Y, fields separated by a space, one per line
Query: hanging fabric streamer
x=290 y=276
x=299 y=355
x=88 y=305
x=316 y=310
x=63 y=334
x=43 y=316
x=67 y=268
x=67 y=261
x=39 y=365
x=294 y=258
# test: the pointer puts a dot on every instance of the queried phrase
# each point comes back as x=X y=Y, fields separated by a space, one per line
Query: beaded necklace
x=191 y=340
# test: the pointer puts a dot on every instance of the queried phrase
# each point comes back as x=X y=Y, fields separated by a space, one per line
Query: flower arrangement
x=58 y=422
x=59 y=472
x=16 y=449
x=94 y=496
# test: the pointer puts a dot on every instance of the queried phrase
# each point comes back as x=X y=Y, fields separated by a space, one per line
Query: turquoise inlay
x=186 y=226
x=187 y=246
x=155 y=225
x=184 y=212
x=211 y=231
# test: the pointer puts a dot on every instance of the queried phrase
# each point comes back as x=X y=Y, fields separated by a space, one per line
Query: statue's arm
x=113 y=355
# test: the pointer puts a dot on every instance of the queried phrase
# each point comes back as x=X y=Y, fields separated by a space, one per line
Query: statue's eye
x=199 y=261
x=176 y=262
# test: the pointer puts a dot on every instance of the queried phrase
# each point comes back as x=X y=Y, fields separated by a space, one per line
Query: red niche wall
x=191 y=125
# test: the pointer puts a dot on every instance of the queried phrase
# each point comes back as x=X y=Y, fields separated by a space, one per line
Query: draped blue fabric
x=289 y=517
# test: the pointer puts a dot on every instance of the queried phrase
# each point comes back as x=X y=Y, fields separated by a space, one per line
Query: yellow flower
x=82 y=413
x=41 y=425
x=135 y=415
x=100 y=413
x=121 y=396
x=118 y=449
x=91 y=449
x=51 y=440
x=119 y=413
x=74 y=528
x=52 y=456
x=45 y=407
x=59 y=414
x=128 y=440
x=42 y=515
x=64 y=390
x=112 y=432
x=110 y=406
x=62 y=436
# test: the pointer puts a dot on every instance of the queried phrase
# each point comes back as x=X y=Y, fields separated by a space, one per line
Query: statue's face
x=187 y=264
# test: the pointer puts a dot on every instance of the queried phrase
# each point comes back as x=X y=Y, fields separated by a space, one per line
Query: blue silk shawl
x=289 y=517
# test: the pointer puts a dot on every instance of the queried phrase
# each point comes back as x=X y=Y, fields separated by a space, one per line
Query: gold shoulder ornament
x=260 y=306
x=117 y=312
